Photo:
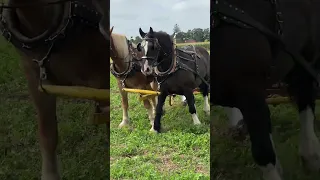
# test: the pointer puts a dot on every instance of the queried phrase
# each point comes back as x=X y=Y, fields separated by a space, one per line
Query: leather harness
x=77 y=14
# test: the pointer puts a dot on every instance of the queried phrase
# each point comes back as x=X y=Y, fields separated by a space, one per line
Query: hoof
x=123 y=124
x=184 y=103
x=239 y=132
x=154 y=131
x=207 y=112
x=197 y=123
x=50 y=176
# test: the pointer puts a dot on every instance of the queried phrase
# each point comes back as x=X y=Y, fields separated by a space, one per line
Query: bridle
x=158 y=48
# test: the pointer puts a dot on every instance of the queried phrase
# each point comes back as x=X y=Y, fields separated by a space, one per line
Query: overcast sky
x=128 y=15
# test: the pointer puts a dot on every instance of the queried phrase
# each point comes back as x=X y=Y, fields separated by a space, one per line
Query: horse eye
x=139 y=47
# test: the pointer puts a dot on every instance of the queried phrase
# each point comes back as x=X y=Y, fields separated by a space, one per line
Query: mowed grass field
x=180 y=152
x=232 y=160
x=81 y=149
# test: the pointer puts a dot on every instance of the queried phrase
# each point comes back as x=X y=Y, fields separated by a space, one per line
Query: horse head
x=157 y=46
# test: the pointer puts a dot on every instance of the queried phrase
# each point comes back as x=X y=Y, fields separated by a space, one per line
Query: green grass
x=81 y=147
x=232 y=160
x=180 y=152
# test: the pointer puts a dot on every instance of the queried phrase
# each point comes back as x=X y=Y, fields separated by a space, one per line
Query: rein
x=224 y=11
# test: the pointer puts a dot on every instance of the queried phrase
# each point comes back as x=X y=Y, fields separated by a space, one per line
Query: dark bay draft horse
x=177 y=71
x=255 y=43
x=126 y=67
x=59 y=44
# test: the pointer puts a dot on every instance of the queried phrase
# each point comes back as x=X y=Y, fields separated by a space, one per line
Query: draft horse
x=177 y=71
x=126 y=68
x=59 y=44
x=254 y=44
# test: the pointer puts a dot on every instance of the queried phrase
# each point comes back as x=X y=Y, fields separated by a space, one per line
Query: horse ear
x=142 y=34
x=151 y=30
x=111 y=30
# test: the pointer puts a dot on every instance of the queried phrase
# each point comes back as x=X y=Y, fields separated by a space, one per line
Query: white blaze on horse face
x=234 y=115
x=309 y=147
x=145 y=47
x=272 y=172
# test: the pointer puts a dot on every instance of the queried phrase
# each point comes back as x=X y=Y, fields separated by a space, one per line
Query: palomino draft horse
x=59 y=44
x=249 y=43
x=177 y=71
x=127 y=70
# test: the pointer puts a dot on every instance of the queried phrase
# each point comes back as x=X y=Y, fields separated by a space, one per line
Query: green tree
x=206 y=34
x=198 y=35
x=137 y=39
x=176 y=29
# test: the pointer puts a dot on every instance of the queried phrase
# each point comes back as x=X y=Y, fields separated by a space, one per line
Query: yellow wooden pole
x=77 y=92
x=278 y=100
x=141 y=91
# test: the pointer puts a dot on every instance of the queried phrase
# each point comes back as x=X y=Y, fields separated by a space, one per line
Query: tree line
x=195 y=34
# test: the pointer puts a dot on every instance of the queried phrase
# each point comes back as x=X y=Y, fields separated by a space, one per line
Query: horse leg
x=149 y=108
x=47 y=124
x=124 y=103
x=304 y=93
x=159 y=112
x=154 y=86
x=205 y=92
x=192 y=107
x=257 y=117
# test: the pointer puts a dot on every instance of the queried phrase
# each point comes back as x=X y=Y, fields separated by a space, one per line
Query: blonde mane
x=121 y=46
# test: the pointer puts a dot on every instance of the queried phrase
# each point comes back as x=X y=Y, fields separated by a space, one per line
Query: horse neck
x=34 y=19
x=121 y=64
x=167 y=60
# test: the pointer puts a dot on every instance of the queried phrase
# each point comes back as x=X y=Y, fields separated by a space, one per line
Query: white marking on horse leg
x=272 y=172
x=206 y=106
x=183 y=98
x=234 y=115
x=195 y=119
x=125 y=118
x=309 y=148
